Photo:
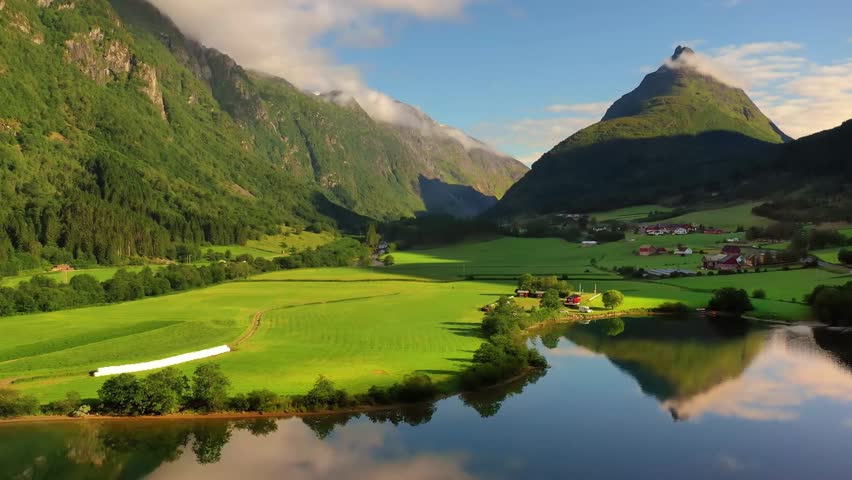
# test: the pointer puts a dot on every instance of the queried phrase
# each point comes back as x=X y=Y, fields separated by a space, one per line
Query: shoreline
x=357 y=410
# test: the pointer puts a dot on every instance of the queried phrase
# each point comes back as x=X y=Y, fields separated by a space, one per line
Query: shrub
x=759 y=293
x=389 y=260
x=262 y=400
x=325 y=395
x=15 y=404
x=731 y=301
x=551 y=300
x=415 y=387
x=64 y=407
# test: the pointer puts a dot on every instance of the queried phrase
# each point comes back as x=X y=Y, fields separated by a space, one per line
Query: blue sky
x=524 y=75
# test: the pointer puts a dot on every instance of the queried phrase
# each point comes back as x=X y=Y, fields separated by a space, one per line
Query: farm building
x=589 y=243
x=681 y=231
x=723 y=262
x=573 y=300
x=683 y=251
x=668 y=273
x=675 y=229
x=522 y=293
x=648 y=250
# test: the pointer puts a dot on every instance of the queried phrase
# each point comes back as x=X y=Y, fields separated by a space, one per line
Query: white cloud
x=294 y=452
x=530 y=136
x=801 y=96
x=785 y=375
x=281 y=37
x=587 y=108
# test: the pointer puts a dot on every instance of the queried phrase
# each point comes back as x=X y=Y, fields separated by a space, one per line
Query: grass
x=630 y=214
x=358 y=326
x=728 y=218
x=276 y=245
x=101 y=274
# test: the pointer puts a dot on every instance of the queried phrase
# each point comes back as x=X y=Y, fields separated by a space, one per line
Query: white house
x=684 y=252
x=589 y=243
x=681 y=231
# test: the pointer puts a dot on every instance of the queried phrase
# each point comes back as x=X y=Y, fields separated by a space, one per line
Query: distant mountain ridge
x=677 y=136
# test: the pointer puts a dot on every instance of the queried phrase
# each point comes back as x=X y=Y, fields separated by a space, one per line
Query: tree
x=845 y=256
x=551 y=300
x=261 y=400
x=210 y=387
x=730 y=300
x=613 y=299
x=759 y=293
x=323 y=393
x=87 y=290
x=389 y=260
x=525 y=281
x=122 y=395
x=164 y=391
x=372 y=238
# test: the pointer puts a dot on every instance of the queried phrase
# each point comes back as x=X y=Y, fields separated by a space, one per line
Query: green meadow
x=101 y=274
x=358 y=326
x=630 y=214
x=728 y=218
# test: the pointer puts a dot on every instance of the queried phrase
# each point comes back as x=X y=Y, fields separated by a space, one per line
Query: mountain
x=370 y=167
x=120 y=137
x=677 y=136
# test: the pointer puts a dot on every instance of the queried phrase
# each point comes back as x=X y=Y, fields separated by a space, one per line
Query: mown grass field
x=728 y=218
x=101 y=274
x=276 y=245
x=630 y=214
x=358 y=326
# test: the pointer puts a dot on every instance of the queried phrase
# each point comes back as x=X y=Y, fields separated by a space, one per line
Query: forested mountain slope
x=120 y=137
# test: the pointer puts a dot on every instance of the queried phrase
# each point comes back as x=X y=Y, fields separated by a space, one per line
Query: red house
x=723 y=262
x=522 y=293
x=573 y=300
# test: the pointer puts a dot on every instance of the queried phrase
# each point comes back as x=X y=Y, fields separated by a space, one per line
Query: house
x=662 y=251
x=589 y=243
x=522 y=293
x=732 y=250
x=713 y=231
x=538 y=294
x=732 y=240
x=683 y=251
x=648 y=250
x=723 y=262
x=62 y=268
x=681 y=231
x=657 y=231
x=573 y=300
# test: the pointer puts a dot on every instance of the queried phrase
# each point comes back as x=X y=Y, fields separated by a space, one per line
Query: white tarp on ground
x=166 y=362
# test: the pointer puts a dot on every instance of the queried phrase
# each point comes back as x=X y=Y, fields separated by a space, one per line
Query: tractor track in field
x=258 y=316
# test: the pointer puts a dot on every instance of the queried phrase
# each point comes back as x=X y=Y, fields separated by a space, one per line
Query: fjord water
x=638 y=398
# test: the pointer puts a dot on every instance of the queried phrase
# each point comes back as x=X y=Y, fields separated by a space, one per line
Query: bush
x=15 y=404
x=732 y=301
x=415 y=387
x=551 y=300
x=262 y=401
x=325 y=395
x=389 y=260
x=64 y=407
x=759 y=294
x=164 y=391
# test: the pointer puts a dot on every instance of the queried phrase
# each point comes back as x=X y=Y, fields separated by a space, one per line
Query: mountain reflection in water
x=750 y=401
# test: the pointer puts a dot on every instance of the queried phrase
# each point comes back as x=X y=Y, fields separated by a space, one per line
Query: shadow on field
x=439 y=372
x=464 y=329
x=460 y=360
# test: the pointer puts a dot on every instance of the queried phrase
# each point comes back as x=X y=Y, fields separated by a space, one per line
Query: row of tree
x=44 y=294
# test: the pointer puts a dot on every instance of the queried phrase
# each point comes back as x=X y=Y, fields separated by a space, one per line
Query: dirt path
x=258 y=316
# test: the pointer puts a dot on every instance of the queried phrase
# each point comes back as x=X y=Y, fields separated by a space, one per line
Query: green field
x=358 y=326
x=101 y=274
x=728 y=218
x=275 y=245
x=630 y=214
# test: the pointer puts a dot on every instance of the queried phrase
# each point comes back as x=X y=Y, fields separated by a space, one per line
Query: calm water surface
x=642 y=398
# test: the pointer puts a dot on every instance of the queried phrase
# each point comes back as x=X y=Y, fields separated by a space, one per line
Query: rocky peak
x=681 y=51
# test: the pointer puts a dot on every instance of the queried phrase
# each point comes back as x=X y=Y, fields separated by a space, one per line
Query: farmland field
x=630 y=214
x=101 y=274
x=728 y=218
x=275 y=245
x=358 y=326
